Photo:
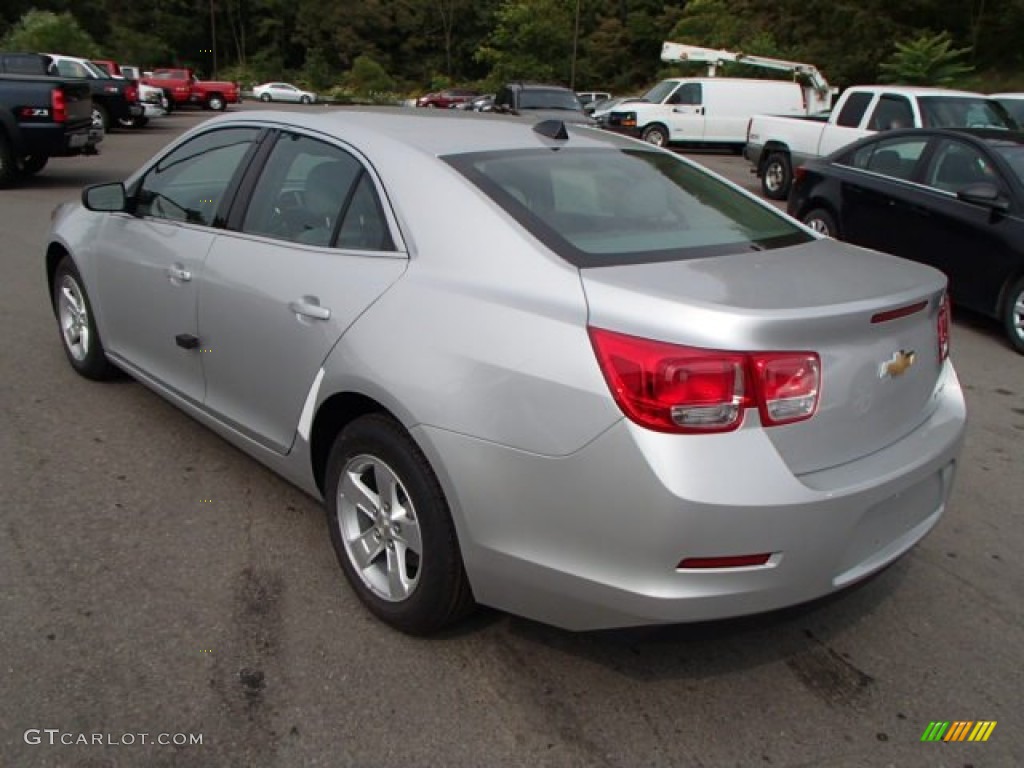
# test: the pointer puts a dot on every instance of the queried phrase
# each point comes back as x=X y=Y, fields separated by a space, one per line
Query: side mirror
x=109 y=198
x=985 y=194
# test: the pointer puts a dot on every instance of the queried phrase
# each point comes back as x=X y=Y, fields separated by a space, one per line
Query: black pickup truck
x=112 y=100
x=40 y=118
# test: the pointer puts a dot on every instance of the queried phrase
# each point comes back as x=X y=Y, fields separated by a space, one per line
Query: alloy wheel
x=74 y=318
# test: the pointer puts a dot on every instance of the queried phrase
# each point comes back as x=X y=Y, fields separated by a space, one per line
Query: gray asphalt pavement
x=156 y=581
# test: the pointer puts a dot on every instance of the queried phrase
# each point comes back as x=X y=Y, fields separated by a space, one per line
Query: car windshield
x=96 y=71
x=1013 y=154
x=964 y=112
x=661 y=91
x=605 y=207
x=549 y=99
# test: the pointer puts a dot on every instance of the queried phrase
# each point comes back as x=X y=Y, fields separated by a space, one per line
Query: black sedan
x=951 y=198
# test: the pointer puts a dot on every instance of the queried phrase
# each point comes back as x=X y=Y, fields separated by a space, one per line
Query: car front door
x=148 y=271
x=879 y=195
x=686 y=113
x=310 y=252
x=971 y=243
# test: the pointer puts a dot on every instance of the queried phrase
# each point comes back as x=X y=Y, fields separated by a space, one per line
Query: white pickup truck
x=777 y=144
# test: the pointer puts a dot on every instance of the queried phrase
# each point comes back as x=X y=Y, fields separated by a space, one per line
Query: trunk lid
x=78 y=101
x=819 y=297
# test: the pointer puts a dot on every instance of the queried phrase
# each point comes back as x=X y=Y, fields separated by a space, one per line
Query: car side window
x=71 y=69
x=189 y=183
x=308 y=190
x=891 y=112
x=896 y=158
x=956 y=165
x=853 y=110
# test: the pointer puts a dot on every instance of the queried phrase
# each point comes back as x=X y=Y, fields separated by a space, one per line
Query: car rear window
x=964 y=112
x=605 y=207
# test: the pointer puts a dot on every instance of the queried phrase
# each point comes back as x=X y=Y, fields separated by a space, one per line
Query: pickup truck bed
x=42 y=117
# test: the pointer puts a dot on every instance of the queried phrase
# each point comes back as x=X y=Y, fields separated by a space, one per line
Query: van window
x=688 y=94
x=853 y=110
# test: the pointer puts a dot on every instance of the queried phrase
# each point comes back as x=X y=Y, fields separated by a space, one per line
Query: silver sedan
x=283 y=92
x=633 y=394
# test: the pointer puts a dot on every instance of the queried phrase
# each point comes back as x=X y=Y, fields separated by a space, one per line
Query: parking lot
x=157 y=581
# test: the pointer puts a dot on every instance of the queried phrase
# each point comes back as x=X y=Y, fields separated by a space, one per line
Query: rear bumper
x=593 y=540
x=57 y=140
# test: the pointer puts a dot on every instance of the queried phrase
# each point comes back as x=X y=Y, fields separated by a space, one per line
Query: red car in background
x=447 y=98
x=182 y=87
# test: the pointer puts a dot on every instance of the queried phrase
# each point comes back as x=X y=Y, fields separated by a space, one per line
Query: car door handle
x=179 y=273
x=309 y=306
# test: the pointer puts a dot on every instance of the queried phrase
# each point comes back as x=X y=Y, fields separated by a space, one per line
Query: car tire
x=216 y=102
x=33 y=164
x=656 y=134
x=8 y=168
x=77 y=324
x=776 y=176
x=133 y=122
x=418 y=593
x=265 y=97
x=100 y=117
x=822 y=222
x=304 y=100
x=171 y=106
x=1013 y=315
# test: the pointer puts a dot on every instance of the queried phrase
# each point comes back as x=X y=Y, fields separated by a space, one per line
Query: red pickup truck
x=182 y=87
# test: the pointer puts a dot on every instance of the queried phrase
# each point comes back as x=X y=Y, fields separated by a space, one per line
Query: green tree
x=532 y=40
x=928 y=59
x=47 y=31
x=368 y=77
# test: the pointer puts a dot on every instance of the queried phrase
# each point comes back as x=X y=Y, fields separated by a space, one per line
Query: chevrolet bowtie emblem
x=898 y=365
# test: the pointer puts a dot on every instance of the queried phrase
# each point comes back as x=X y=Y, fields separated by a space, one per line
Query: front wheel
x=304 y=100
x=77 y=325
x=265 y=97
x=100 y=117
x=777 y=176
x=216 y=103
x=656 y=135
x=33 y=164
x=392 y=530
x=1013 y=315
x=822 y=222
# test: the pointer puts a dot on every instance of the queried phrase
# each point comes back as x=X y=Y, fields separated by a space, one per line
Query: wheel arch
x=826 y=205
x=334 y=414
x=770 y=148
x=1004 y=292
x=54 y=253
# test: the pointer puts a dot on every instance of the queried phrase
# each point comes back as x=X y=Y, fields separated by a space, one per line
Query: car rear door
x=879 y=198
x=309 y=251
x=149 y=269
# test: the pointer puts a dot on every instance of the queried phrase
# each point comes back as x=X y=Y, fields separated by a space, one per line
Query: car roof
x=916 y=90
x=1006 y=96
x=431 y=132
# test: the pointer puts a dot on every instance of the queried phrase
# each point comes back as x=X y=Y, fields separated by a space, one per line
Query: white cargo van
x=708 y=111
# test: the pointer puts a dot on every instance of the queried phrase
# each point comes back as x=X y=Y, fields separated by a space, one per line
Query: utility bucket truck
x=714 y=111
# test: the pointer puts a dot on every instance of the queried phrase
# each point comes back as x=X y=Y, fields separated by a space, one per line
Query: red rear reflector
x=895 y=314
x=798 y=174
x=943 y=327
x=734 y=561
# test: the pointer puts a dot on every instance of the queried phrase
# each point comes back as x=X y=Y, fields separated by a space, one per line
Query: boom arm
x=679 y=52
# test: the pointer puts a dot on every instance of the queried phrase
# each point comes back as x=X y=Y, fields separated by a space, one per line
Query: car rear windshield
x=964 y=112
x=548 y=99
x=606 y=207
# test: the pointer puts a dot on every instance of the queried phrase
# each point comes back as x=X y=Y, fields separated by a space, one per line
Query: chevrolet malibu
x=633 y=394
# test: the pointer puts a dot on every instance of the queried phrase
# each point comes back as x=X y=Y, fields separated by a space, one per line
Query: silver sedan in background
x=283 y=92
x=633 y=394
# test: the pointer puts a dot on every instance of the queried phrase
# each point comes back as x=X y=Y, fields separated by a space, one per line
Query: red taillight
x=58 y=106
x=672 y=388
x=131 y=93
x=943 y=323
x=798 y=174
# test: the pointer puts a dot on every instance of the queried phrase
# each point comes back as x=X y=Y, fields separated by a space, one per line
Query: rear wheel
x=33 y=164
x=100 y=117
x=8 y=169
x=656 y=135
x=265 y=97
x=216 y=102
x=1013 y=315
x=392 y=530
x=304 y=100
x=78 y=332
x=777 y=176
x=822 y=222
